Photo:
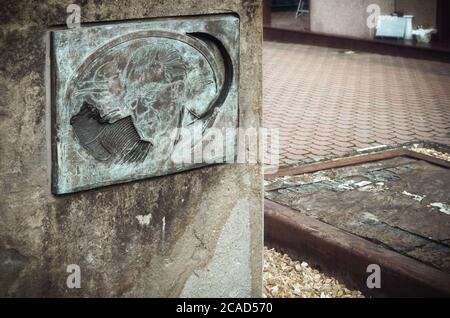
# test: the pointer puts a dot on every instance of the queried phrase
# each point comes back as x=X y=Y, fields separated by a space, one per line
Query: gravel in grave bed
x=285 y=278
x=431 y=152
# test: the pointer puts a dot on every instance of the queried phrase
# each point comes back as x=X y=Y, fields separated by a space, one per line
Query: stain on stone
x=251 y=6
x=10 y=11
x=11 y=264
x=20 y=45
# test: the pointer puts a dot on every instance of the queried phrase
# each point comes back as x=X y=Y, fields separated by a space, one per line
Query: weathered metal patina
x=123 y=93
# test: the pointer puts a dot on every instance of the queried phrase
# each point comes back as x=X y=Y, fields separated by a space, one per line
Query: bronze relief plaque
x=125 y=94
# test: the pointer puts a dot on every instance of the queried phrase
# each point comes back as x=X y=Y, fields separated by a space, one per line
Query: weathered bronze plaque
x=125 y=94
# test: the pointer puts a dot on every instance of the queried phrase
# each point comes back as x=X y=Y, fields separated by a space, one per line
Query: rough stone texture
x=145 y=238
x=232 y=247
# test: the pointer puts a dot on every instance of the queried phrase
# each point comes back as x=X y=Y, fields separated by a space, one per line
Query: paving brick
x=328 y=104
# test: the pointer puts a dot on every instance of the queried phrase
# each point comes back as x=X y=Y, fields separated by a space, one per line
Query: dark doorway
x=443 y=24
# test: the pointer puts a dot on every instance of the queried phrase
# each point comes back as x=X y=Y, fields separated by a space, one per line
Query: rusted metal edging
x=359 y=159
x=346 y=256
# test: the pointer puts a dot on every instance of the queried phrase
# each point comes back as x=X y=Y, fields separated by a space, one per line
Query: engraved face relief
x=119 y=106
x=136 y=91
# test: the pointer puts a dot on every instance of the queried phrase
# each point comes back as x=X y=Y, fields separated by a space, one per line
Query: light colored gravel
x=285 y=278
x=431 y=152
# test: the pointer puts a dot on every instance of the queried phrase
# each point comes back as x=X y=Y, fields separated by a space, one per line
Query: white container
x=408 y=27
x=424 y=35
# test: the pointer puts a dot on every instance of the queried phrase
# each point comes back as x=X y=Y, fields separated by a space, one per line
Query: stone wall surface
x=195 y=233
x=345 y=17
x=349 y=17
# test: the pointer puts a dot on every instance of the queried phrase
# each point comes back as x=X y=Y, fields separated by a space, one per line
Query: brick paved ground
x=327 y=103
